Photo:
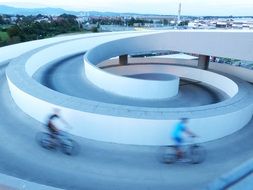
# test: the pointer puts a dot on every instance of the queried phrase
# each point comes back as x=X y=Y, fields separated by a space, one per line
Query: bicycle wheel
x=169 y=156
x=45 y=140
x=197 y=154
x=69 y=147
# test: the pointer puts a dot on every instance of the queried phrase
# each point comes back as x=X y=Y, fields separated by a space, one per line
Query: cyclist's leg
x=52 y=130
x=178 y=143
x=55 y=136
x=62 y=135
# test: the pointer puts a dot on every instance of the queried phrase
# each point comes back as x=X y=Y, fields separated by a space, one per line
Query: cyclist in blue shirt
x=177 y=135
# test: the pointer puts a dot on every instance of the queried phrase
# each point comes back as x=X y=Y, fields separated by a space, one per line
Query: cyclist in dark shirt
x=51 y=123
x=51 y=126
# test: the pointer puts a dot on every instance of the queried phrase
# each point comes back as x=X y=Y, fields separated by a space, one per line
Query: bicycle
x=191 y=153
x=62 y=141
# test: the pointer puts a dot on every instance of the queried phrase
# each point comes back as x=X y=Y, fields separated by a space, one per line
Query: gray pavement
x=239 y=178
x=106 y=165
x=19 y=184
x=245 y=184
x=67 y=77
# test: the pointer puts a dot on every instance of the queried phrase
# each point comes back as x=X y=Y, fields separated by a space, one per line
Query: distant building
x=179 y=14
x=137 y=24
x=13 y=19
x=221 y=24
x=193 y=25
x=80 y=20
x=42 y=20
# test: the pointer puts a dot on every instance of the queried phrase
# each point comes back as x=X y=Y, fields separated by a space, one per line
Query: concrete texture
x=237 y=179
x=191 y=94
x=189 y=41
x=19 y=184
x=105 y=165
x=151 y=122
x=139 y=125
x=245 y=184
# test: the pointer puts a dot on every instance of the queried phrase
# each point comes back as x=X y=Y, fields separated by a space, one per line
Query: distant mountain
x=96 y=13
x=26 y=11
x=58 y=11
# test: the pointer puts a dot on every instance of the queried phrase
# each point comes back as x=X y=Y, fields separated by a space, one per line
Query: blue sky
x=189 y=7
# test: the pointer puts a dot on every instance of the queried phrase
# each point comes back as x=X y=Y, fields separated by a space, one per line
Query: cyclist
x=53 y=119
x=177 y=135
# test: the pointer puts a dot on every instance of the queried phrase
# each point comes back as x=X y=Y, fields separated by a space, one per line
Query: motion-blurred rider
x=177 y=135
x=52 y=122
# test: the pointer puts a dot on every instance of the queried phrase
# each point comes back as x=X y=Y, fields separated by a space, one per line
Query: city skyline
x=166 y=7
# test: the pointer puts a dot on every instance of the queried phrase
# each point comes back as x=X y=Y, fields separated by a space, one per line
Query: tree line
x=26 y=28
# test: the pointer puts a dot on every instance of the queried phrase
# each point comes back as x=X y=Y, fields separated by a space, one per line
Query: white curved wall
x=114 y=83
x=240 y=72
x=116 y=123
x=128 y=130
x=219 y=43
x=12 y=51
x=130 y=87
x=209 y=123
x=194 y=41
x=76 y=45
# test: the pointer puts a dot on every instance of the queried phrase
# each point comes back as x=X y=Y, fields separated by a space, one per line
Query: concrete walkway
x=240 y=178
x=54 y=76
x=107 y=166
x=245 y=184
x=19 y=184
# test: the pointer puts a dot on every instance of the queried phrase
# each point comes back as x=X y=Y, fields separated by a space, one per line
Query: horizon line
x=133 y=13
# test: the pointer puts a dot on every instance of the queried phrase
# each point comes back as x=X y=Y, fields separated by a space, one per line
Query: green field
x=4 y=36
